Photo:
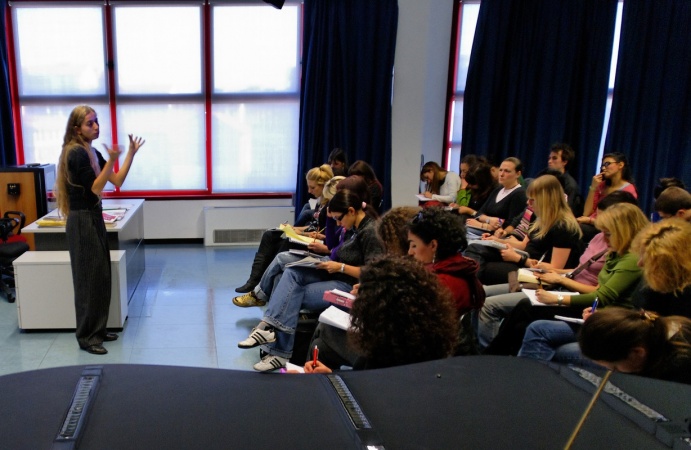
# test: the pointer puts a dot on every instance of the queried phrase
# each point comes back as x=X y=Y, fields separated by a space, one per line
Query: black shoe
x=111 y=337
x=247 y=287
x=96 y=349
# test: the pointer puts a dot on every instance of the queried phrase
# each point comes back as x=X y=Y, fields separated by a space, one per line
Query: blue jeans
x=553 y=340
x=299 y=288
x=272 y=274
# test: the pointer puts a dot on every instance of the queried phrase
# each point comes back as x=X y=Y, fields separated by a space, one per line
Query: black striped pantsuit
x=90 y=260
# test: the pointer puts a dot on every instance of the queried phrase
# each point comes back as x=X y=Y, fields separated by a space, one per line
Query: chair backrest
x=11 y=224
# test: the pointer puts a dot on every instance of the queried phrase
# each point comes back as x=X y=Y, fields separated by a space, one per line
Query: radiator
x=242 y=225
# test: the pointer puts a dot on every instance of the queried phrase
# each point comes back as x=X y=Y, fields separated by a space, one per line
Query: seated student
x=505 y=202
x=303 y=287
x=614 y=176
x=441 y=185
x=468 y=162
x=338 y=160
x=402 y=315
x=674 y=202
x=481 y=184
x=666 y=291
x=272 y=243
x=333 y=238
x=666 y=269
x=554 y=236
x=616 y=282
x=560 y=156
x=639 y=342
x=500 y=302
x=376 y=190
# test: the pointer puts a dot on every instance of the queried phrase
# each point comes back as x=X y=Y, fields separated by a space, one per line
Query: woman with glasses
x=615 y=175
x=303 y=287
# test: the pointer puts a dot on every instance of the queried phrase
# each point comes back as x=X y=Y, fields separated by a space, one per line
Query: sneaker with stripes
x=270 y=363
x=258 y=337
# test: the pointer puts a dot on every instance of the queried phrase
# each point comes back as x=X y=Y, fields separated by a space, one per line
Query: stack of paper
x=335 y=317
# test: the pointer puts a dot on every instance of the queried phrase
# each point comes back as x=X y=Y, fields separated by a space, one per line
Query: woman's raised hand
x=135 y=143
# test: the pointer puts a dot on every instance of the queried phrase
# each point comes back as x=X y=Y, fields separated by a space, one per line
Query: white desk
x=45 y=294
x=126 y=234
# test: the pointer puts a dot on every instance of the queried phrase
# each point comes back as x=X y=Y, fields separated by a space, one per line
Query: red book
x=340 y=298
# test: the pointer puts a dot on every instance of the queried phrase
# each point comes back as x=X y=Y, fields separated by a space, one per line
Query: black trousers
x=90 y=261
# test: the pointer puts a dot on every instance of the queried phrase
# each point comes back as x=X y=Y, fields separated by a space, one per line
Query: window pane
x=255 y=49
x=255 y=146
x=59 y=51
x=43 y=129
x=469 y=20
x=457 y=120
x=173 y=156
x=158 y=50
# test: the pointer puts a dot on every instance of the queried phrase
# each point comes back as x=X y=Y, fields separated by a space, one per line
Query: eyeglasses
x=417 y=218
x=606 y=164
x=340 y=218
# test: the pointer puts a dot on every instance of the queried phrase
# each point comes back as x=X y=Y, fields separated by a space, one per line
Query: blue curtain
x=8 y=155
x=538 y=74
x=347 y=69
x=651 y=110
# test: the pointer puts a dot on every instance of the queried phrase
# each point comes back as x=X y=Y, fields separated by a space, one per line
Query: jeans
x=497 y=307
x=272 y=274
x=553 y=340
x=543 y=337
x=299 y=288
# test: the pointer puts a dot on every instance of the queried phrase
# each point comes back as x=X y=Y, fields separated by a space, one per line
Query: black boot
x=265 y=254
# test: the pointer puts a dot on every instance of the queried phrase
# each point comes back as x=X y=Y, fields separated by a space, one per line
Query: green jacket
x=617 y=281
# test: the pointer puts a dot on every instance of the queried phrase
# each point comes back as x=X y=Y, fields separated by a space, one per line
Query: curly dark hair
x=393 y=231
x=443 y=226
x=403 y=314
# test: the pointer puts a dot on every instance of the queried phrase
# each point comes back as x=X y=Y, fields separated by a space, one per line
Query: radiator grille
x=237 y=236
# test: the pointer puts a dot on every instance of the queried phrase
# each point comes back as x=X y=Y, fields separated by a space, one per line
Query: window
x=468 y=14
x=213 y=87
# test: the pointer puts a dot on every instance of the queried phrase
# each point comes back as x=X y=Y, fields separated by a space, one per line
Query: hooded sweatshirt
x=459 y=275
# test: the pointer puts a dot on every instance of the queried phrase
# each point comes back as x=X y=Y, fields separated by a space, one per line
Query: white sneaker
x=270 y=363
x=258 y=337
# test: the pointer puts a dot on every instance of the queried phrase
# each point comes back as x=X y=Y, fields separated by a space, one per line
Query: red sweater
x=459 y=275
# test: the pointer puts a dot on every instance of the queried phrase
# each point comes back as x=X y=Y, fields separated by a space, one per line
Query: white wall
x=421 y=71
x=421 y=74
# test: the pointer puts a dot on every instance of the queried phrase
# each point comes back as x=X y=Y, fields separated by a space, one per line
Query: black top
x=82 y=177
x=668 y=304
x=558 y=236
x=506 y=209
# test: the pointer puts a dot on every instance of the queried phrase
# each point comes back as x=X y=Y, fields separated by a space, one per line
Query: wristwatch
x=342 y=268
x=560 y=299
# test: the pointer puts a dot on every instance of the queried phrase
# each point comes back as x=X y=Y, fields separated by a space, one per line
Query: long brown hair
x=71 y=142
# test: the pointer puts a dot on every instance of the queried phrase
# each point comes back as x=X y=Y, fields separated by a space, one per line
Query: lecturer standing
x=82 y=175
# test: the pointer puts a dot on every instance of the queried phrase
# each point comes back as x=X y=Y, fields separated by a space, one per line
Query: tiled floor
x=181 y=314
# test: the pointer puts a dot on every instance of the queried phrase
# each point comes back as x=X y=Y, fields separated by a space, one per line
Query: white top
x=449 y=190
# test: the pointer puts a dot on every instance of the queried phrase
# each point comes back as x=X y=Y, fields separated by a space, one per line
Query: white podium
x=45 y=295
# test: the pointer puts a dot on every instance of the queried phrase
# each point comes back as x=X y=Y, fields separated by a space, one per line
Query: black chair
x=12 y=247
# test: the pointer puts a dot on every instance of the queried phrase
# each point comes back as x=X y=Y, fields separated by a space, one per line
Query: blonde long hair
x=320 y=175
x=551 y=207
x=623 y=221
x=71 y=142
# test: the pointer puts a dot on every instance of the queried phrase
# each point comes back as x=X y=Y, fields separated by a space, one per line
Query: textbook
x=338 y=297
x=335 y=317
x=308 y=261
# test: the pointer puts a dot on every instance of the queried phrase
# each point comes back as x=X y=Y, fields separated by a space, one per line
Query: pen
x=592 y=310
x=315 y=353
x=541 y=258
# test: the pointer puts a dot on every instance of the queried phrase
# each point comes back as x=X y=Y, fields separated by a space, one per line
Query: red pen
x=315 y=353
